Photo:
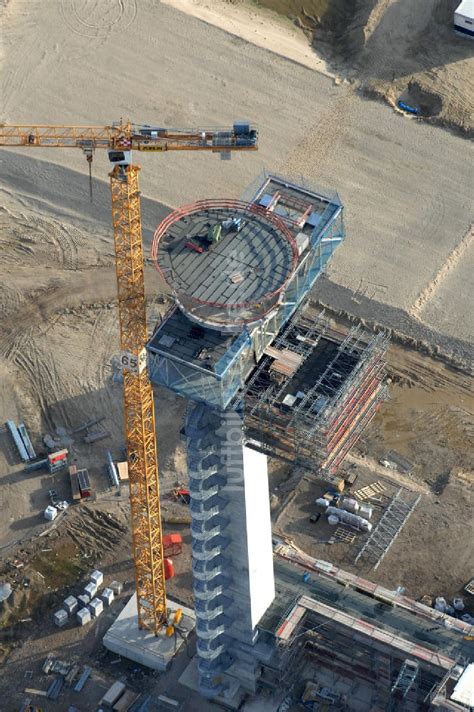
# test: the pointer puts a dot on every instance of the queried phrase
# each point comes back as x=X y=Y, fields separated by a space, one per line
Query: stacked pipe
x=346 y=513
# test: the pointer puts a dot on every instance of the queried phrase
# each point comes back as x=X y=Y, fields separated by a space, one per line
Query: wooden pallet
x=470 y=587
x=373 y=490
x=342 y=535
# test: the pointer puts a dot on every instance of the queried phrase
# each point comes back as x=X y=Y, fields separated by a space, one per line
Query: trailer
x=75 y=491
x=84 y=483
x=464 y=19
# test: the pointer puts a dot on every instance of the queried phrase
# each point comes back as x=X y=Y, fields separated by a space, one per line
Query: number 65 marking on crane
x=133 y=363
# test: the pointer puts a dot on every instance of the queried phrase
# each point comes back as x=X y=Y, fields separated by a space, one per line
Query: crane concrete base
x=155 y=652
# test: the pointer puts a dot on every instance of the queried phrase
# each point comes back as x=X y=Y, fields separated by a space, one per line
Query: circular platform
x=226 y=262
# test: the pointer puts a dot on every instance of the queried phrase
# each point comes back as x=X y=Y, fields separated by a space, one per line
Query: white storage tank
x=333 y=520
x=464 y=19
x=366 y=511
x=350 y=504
x=348 y=518
x=321 y=502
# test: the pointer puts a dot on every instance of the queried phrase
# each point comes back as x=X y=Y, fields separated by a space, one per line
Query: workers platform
x=142 y=646
x=238 y=270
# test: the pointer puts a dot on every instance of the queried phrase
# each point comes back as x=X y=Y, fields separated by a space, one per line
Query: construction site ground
x=406 y=264
x=385 y=48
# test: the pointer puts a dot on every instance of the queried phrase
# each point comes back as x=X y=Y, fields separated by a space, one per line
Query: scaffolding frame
x=389 y=527
x=320 y=430
x=356 y=653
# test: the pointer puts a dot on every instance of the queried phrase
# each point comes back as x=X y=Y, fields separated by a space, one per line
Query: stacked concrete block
x=60 y=617
x=116 y=587
x=83 y=600
x=107 y=596
x=70 y=605
x=97 y=577
x=96 y=606
x=83 y=616
x=90 y=589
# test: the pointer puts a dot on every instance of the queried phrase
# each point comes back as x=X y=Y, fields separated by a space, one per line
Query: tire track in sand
x=454 y=257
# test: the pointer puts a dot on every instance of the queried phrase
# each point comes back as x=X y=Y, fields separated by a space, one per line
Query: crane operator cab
x=120 y=157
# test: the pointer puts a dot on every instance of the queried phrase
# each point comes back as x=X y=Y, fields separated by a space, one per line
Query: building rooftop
x=223 y=254
x=302 y=210
x=184 y=340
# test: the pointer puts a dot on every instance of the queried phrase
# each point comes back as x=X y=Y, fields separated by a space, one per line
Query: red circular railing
x=241 y=209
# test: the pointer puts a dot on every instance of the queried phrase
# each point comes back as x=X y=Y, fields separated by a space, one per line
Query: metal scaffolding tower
x=298 y=414
x=389 y=527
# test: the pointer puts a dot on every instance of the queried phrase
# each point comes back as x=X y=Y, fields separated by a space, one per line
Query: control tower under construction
x=262 y=378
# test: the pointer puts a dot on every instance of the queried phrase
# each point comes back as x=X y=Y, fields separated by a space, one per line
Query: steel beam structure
x=389 y=527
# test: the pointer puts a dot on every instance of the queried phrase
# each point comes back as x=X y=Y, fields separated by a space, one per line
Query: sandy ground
x=389 y=48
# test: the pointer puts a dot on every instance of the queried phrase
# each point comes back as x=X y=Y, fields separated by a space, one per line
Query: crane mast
x=119 y=140
x=138 y=400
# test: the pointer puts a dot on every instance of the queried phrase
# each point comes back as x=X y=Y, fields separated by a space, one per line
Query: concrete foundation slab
x=190 y=679
x=141 y=646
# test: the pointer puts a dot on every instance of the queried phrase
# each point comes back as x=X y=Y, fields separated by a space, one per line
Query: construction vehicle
x=181 y=494
x=120 y=140
x=214 y=233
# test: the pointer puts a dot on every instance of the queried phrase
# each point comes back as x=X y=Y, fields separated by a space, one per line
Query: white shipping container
x=90 y=589
x=70 y=604
x=107 y=596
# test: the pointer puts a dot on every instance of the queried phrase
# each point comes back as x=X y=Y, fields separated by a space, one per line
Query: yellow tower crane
x=120 y=140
